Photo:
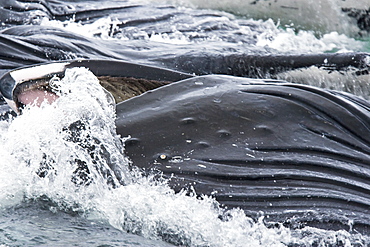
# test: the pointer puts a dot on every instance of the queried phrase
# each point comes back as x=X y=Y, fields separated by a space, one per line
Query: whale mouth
x=33 y=85
x=34 y=93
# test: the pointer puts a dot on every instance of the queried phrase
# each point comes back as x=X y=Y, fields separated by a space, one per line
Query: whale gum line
x=124 y=88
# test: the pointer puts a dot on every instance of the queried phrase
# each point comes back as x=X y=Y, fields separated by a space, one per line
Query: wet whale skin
x=281 y=148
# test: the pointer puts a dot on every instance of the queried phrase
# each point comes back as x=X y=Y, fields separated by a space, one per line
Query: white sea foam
x=288 y=40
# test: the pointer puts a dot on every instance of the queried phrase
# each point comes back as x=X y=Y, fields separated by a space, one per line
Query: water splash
x=41 y=147
x=289 y=40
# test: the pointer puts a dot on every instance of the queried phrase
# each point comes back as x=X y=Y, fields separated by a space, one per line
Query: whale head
x=33 y=85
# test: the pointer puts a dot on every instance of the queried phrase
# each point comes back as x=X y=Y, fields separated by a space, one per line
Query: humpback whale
x=297 y=153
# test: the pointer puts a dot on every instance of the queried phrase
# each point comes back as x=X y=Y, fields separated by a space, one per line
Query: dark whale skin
x=299 y=154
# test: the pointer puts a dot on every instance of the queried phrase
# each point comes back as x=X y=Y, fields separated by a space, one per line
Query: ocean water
x=55 y=210
x=204 y=25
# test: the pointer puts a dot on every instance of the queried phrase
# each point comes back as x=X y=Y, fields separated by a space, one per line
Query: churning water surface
x=54 y=211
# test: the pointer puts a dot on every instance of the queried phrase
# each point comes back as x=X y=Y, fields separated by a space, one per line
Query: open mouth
x=30 y=85
x=34 y=93
x=121 y=81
